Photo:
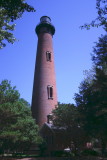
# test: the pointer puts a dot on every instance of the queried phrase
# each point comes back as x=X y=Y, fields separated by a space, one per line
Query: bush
x=61 y=154
x=91 y=152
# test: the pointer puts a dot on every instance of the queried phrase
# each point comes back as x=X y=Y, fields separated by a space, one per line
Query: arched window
x=50 y=92
x=48 y=56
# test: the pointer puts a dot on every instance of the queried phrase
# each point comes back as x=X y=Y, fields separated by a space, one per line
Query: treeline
x=87 y=120
x=18 y=130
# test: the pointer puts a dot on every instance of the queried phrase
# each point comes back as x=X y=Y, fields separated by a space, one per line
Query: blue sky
x=72 y=46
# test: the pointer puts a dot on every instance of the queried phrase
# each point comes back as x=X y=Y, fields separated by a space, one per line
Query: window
x=50 y=92
x=48 y=56
x=49 y=118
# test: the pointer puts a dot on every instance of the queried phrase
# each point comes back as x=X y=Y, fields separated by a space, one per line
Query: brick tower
x=44 y=97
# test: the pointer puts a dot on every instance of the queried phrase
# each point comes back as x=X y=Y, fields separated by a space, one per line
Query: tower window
x=48 y=56
x=50 y=92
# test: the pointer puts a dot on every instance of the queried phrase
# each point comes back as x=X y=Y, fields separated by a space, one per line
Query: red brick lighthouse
x=44 y=97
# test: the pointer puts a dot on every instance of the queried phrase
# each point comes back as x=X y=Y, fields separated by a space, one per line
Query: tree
x=100 y=83
x=18 y=130
x=99 y=57
x=92 y=98
x=66 y=115
x=101 y=20
x=10 y=10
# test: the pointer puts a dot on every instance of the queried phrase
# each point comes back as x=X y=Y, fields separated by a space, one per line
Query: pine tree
x=92 y=97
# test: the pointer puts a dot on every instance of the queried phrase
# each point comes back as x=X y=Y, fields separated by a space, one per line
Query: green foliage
x=61 y=154
x=11 y=10
x=67 y=116
x=100 y=53
x=18 y=130
x=101 y=20
x=89 y=75
x=8 y=93
x=15 y=9
x=92 y=97
x=6 y=29
x=91 y=152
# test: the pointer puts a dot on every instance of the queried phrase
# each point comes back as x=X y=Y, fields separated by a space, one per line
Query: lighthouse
x=44 y=97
